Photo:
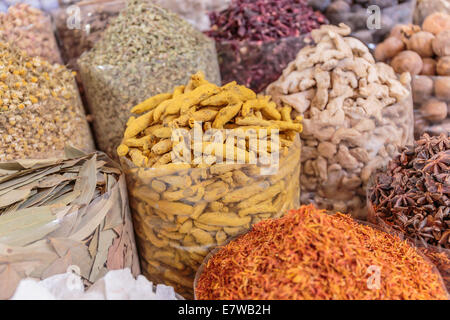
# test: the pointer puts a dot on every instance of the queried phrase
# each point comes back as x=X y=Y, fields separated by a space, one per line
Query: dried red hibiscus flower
x=257 y=39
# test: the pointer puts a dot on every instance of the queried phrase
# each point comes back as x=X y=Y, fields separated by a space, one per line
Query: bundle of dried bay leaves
x=60 y=214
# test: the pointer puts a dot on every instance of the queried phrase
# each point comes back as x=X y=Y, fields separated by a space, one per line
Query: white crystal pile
x=115 y=285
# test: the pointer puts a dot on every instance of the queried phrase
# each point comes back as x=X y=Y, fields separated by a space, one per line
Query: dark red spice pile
x=264 y=20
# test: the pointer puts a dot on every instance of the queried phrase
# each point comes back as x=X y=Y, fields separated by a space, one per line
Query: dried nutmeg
x=434 y=110
x=429 y=67
x=441 y=44
x=443 y=66
x=407 y=61
x=389 y=48
x=436 y=23
x=422 y=88
x=442 y=88
x=420 y=42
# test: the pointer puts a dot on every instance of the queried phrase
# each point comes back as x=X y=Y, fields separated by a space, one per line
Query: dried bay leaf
x=13 y=196
x=105 y=240
x=9 y=279
x=59 y=212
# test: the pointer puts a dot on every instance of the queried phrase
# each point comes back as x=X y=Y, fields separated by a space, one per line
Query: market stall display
x=40 y=108
x=57 y=213
x=183 y=206
x=309 y=254
x=145 y=51
x=425 y=53
x=412 y=195
x=255 y=40
x=30 y=30
x=362 y=16
x=356 y=114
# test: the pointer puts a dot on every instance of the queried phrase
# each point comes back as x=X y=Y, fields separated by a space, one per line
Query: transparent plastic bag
x=194 y=11
x=76 y=37
x=180 y=215
x=112 y=90
x=30 y=30
x=338 y=181
x=443 y=277
x=42 y=130
x=256 y=64
x=358 y=21
x=426 y=7
x=431 y=96
x=72 y=215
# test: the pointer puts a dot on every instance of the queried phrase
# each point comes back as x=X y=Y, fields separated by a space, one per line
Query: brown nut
x=429 y=67
x=441 y=44
x=389 y=48
x=407 y=61
x=434 y=110
x=422 y=87
x=443 y=66
x=420 y=42
x=436 y=23
x=442 y=88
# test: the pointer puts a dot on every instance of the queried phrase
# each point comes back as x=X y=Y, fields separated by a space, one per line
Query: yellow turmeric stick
x=138 y=142
x=137 y=125
x=122 y=150
x=223 y=219
x=162 y=147
x=137 y=157
x=151 y=103
x=226 y=114
x=181 y=104
x=271 y=112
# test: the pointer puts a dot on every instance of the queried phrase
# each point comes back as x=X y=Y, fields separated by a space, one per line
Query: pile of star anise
x=413 y=194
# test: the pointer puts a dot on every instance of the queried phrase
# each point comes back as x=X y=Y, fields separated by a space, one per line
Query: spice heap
x=413 y=194
x=30 y=30
x=360 y=16
x=40 y=108
x=146 y=50
x=264 y=20
x=256 y=39
x=356 y=113
x=60 y=213
x=193 y=193
x=308 y=254
x=424 y=52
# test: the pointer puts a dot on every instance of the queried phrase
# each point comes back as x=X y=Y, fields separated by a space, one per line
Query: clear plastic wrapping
x=58 y=216
x=256 y=64
x=358 y=20
x=426 y=7
x=30 y=30
x=180 y=215
x=77 y=37
x=431 y=96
